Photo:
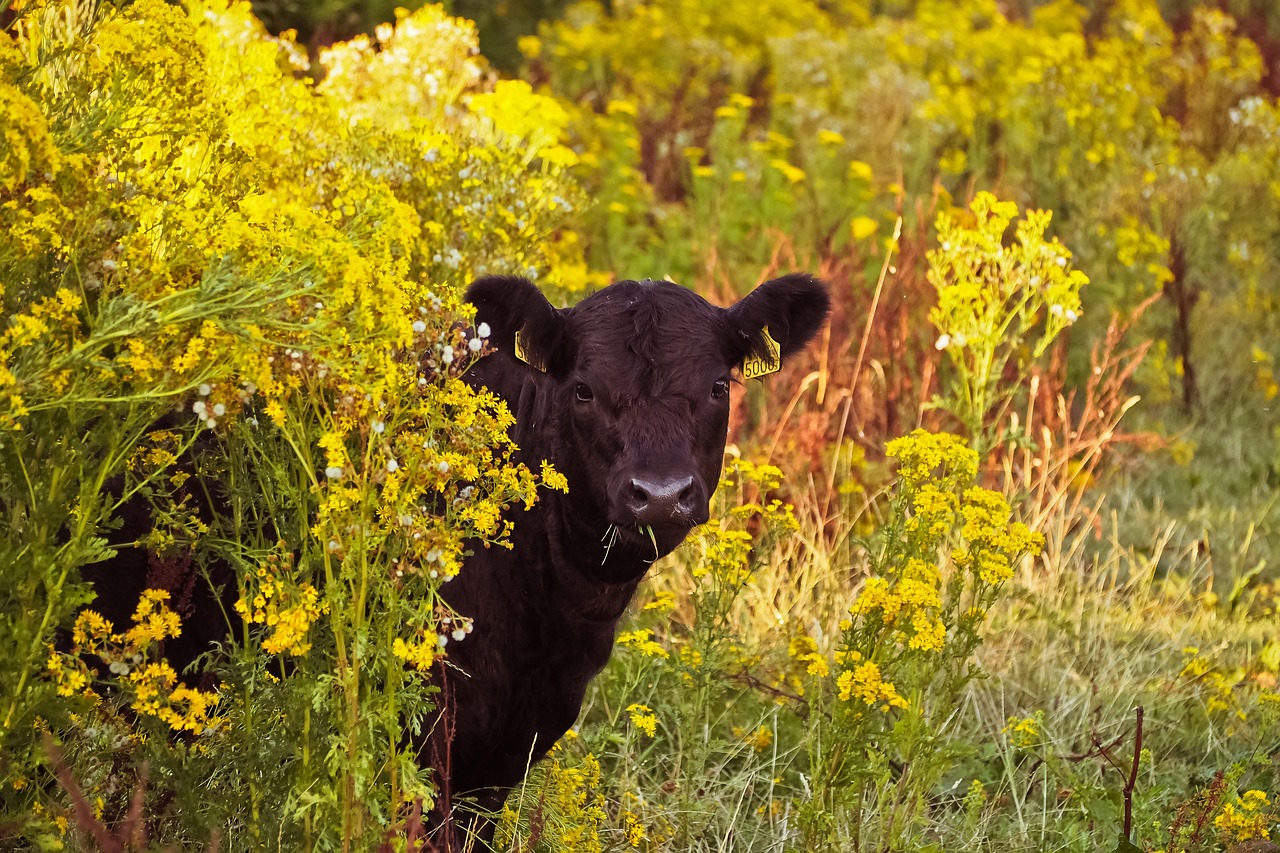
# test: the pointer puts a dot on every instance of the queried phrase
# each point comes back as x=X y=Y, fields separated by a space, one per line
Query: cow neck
x=578 y=555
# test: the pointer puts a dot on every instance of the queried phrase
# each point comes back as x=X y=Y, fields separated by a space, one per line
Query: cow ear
x=775 y=321
x=521 y=321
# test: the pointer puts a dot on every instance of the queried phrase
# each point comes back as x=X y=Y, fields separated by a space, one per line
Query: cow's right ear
x=521 y=321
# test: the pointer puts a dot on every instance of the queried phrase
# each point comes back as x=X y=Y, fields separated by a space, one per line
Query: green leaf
x=1124 y=845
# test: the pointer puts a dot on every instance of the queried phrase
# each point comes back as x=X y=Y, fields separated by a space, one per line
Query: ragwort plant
x=231 y=298
x=999 y=308
x=882 y=741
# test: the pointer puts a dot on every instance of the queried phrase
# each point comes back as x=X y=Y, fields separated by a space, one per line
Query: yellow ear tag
x=754 y=367
x=523 y=354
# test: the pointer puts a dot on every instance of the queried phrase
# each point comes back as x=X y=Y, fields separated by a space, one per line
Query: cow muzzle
x=658 y=498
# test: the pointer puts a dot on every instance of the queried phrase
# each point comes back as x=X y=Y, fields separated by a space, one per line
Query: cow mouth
x=651 y=541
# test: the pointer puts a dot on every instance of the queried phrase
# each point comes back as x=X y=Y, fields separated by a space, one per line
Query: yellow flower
x=642 y=641
x=793 y=174
x=153 y=621
x=759 y=739
x=642 y=718
x=1246 y=818
x=420 y=656
x=632 y=829
x=928 y=634
x=830 y=137
x=553 y=479
x=864 y=684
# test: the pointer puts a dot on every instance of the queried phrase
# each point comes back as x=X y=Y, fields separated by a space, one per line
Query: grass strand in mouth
x=653 y=537
x=610 y=534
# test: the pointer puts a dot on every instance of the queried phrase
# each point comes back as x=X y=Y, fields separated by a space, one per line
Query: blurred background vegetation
x=722 y=140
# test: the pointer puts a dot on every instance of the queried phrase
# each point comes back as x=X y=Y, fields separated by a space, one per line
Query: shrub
x=231 y=294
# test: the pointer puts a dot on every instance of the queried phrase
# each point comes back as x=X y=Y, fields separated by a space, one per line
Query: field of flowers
x=993 y=567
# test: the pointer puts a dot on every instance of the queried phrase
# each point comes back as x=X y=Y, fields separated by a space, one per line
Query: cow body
x=626 y=394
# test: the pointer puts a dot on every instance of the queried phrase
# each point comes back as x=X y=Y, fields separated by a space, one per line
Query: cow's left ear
x=521 y=321
x=776 y=320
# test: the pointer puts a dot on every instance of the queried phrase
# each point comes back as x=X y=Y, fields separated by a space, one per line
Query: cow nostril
x=661 y=499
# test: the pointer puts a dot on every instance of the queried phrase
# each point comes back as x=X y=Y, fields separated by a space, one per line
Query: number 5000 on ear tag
x=756 y=366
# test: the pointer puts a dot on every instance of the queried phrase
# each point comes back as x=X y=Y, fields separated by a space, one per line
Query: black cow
x=627 y=394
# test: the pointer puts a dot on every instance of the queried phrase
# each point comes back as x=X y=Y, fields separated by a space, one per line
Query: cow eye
x=583 y=393
x=720 y=389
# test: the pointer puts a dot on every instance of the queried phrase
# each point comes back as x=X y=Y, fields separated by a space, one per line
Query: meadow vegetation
x=991 y=569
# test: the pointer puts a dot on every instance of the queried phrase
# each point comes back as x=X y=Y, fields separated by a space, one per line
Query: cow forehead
x=657 y=323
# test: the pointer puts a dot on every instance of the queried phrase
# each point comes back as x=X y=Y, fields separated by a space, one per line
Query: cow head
x=634 y=382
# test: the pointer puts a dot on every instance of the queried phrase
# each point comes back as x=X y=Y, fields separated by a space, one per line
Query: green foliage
x=270 y=268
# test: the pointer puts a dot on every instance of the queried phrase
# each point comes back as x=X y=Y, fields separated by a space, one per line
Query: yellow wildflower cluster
x=1025 y=732
x=758 y=739
x=662 y=603
x=642 y=641
x=272 y=596
x=725 y=555
x=1221 y=688
x=181 y=707
x=940 y=460
x=1248 y=817
x=726 y=545
x=994 y=542
x=909 y=597
x=570 y=811
x=914 y=624
x=863 y=683
x=69 y=675
x=643 y=718
x=41 y=338
x=153 y=621
x=633 y=830
x=152 y=684
x=992 y=298
x=803 y=649
x=419 y=654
